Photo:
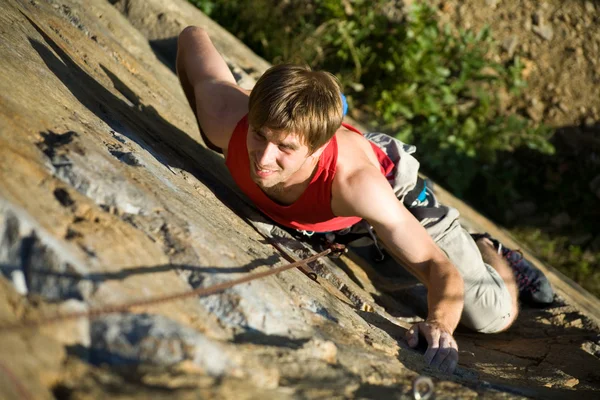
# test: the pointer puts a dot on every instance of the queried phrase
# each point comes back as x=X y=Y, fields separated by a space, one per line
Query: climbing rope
x=199 y=292
x=17 y=385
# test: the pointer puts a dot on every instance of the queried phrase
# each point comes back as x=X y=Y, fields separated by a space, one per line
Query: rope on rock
x=18 y=386
x=200 y=292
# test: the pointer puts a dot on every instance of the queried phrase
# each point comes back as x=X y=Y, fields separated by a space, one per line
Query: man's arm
x=209 y=86
x=367 y=194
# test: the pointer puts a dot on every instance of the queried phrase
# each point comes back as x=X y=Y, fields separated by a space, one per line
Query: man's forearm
x=432 y=267
x=445 y=295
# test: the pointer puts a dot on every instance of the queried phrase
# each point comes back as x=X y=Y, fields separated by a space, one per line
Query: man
x=286 y=147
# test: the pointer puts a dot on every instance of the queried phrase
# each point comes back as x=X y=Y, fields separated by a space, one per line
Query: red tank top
x=312 y=211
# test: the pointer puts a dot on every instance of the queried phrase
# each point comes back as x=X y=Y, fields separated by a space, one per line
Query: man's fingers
x=449 y=364
x=443 y=350
x=412 y=336
x=433 y=338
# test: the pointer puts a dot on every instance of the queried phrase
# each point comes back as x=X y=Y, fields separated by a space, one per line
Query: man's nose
x=268 y=155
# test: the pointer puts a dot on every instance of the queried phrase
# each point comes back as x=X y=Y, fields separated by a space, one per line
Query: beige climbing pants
x=488 y=304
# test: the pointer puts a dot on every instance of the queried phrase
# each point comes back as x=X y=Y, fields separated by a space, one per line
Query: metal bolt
x=422 y=388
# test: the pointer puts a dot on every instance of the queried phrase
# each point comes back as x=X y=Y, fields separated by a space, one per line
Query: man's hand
x=442 y=350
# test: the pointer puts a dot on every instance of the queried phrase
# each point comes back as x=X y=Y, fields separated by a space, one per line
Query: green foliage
x=571 y=260
x=206 y=6
x=441 y=94
x=433 y=86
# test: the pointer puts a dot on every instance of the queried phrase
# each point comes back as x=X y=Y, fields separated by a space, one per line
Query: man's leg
x=491 y=257
x=489 y=306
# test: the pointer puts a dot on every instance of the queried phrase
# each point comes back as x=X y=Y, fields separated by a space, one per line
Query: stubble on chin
x=273 y=189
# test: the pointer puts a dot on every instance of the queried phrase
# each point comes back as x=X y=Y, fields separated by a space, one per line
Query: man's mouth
x=263 y=172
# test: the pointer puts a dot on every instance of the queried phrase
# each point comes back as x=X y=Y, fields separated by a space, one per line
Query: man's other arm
x=367 y=194
x=209 y=86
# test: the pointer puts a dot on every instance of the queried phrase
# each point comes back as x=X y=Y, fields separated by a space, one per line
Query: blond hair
x=292 y=98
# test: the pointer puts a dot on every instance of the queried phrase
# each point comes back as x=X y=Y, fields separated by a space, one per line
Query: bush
x=571 y=260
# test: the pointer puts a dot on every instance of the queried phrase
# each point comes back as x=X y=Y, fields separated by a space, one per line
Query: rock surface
x=107 y=196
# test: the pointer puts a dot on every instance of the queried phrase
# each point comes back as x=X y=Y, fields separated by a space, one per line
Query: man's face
x=274 y=156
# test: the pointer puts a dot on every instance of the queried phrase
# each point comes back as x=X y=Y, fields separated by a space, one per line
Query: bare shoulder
x=354 y=153
x=357 y=173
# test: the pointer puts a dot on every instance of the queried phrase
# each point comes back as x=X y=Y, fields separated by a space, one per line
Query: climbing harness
x=422 y=203
x=380 y=255
x=199 y=292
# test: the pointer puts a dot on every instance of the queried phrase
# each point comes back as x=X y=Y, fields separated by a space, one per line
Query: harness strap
x=422 y=213
x=380 y=256
x=416 y=193
x=421 y=203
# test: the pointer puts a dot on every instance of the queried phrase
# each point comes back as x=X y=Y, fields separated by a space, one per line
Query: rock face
x=107 y=196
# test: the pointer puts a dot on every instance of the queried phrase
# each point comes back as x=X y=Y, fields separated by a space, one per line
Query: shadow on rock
x=140 y=123
x=253 y=336
x=541 y=354
x=369 y=391
x=67 y=279
x=395 y=331
x=166 y=51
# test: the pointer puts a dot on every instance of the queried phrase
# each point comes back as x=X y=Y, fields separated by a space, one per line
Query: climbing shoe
x=534 y=287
